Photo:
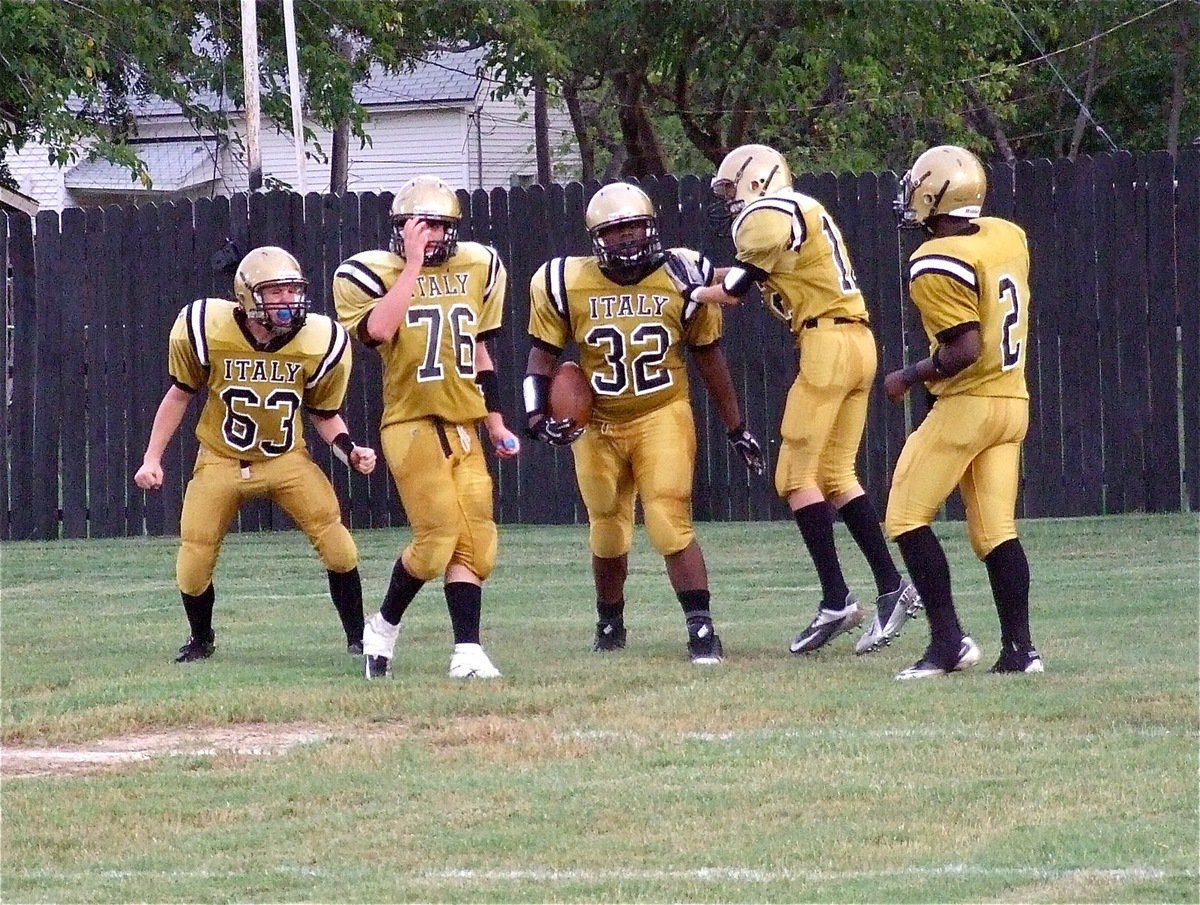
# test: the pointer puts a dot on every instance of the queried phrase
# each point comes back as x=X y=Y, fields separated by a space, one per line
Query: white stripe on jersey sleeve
x=951 y=267
x=493 y=271
x=196 y=312
x=337 y=347
x=362 y=276
x=556 y=270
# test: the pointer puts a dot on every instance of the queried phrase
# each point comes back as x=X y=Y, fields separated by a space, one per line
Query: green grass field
x=625 y=777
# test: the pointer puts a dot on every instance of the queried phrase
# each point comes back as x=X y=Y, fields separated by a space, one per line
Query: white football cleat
x=470 y=662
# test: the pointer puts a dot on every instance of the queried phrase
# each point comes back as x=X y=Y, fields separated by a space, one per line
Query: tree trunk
x=1183 y=45
x=1083 y=116
x=644 y=157
x=541 y=132
x=339 y=163
x=583 y=137
x=985 y=115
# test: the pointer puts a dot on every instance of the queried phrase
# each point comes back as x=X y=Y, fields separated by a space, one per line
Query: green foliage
x=625 y=777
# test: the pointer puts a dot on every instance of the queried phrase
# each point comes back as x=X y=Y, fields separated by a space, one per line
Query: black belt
x=816 y=321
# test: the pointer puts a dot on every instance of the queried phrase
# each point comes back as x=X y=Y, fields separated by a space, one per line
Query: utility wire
x=1082 y=106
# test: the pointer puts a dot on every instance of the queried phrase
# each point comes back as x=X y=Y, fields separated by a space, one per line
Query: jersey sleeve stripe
x=197 y=331
x=493 y=272
x=556 y=288
x=337 y=348
x=949 y=267
x=707 y=270
x=361 y=276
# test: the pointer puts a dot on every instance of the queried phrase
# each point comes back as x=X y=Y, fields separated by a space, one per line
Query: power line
x=1066 y=87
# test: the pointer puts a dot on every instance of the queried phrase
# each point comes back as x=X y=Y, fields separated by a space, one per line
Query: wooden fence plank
x=5 y=322
x=1162 y=438
x=77 y=299
x=1187 y=257
x=1132 y=352
x=48 y=376
x=23 y=376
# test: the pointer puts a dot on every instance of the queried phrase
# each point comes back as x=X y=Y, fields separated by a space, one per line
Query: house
x=441 y=118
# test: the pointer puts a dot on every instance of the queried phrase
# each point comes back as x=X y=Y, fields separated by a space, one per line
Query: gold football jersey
x=429 y=365
x=629 y=337
x=255 y=395
x=979 y=278
x=791 y=237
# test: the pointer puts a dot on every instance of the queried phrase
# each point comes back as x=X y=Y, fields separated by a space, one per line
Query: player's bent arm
x=333 y=430
x=166 y=422
x=714 y=371
x=734 y=283
x=504 y=441
x=955 y=353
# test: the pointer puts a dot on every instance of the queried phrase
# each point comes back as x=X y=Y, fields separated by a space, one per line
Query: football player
x=789 y=244
x=623 y=311
x=429 y=305
x=263 y=358
x=970 y=282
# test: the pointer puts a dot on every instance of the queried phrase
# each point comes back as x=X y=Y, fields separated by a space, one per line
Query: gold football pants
x=826 y=410
x=974 y=443
x=442 y=476
x=217 y=490
x=652 y=457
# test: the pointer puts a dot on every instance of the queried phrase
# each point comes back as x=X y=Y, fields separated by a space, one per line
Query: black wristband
x=937 y=362
x=911 y=377
x=342 y=446
x=490 y=384
x=734 y=432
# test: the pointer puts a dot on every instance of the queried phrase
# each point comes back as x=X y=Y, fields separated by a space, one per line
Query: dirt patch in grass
x=256 y=740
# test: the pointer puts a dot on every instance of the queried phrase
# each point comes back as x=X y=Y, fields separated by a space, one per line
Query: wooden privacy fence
x=1114 y=351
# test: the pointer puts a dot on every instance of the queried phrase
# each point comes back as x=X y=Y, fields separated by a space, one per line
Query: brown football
x=570 y=394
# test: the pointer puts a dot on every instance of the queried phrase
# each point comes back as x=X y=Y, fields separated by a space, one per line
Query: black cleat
x=354 y=648
x=610 y=635
x=197 y=649
x=378 y=667
x=1017 y=659
x=704 y=647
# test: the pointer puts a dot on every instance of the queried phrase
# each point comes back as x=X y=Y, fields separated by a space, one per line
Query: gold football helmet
x=428 y=198
x=944 y=180
x=623 y=225
x=749 y=172
x=262 y=268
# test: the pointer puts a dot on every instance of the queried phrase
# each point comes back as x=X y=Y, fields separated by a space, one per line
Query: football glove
x=747 y=446
x=556 y=432
x=685 y=274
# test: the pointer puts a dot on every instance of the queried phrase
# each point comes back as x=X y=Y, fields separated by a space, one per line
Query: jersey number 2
x=1010 y=349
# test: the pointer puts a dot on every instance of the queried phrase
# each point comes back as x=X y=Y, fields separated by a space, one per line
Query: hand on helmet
x=747 y=446
x=556 y=432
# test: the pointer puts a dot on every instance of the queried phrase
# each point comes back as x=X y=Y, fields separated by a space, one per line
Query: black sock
x=930 y=572
x=345 y=588
x=400 y=593
x=465 y=602
x=863 y=521
x=1008 y=572
x=816 y=527
x=695 y=608
x=611 y=612
x=199 y=609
